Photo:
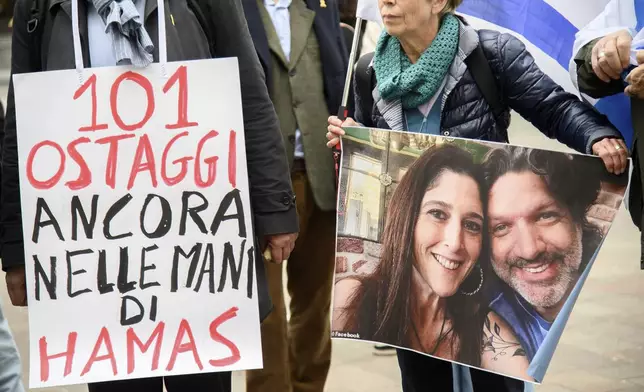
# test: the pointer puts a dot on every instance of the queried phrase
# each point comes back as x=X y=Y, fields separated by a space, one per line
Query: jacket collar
x=150 y=7
x=468 y=41
x=274 y=43
x=392 y=111
x=66 y=6
x=301 y=24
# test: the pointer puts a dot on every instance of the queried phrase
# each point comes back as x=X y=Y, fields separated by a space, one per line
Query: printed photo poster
x=139 y=244
x=468 y=251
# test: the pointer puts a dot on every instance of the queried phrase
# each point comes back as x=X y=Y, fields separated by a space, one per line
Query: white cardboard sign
x=136 y=216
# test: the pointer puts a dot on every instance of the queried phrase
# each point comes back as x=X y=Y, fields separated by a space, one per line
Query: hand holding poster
x=136 y=217
x=469 y=251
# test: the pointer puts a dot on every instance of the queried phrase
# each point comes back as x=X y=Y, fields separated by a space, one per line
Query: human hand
x=17 y=285
x=279 y=247
x=635 y=79
x=335 y=129
x=614 y=153
x=611 y=55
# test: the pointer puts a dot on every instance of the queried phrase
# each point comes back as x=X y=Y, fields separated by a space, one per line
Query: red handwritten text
x=184 y=342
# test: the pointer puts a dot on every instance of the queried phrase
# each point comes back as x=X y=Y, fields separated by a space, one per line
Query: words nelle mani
x=211 y=266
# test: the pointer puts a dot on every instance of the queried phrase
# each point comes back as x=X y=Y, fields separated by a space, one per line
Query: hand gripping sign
x=136 y=219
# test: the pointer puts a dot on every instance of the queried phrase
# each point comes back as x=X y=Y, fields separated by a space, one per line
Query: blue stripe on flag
x=536 y=20
x=551 y=32
x=639 y=14
x=618 y=110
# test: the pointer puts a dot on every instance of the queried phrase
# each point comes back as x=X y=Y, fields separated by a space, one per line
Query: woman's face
x=402 y=17
x=448 y=232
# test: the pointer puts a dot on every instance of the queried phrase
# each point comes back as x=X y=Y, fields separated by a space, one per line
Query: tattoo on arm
x=492 y=341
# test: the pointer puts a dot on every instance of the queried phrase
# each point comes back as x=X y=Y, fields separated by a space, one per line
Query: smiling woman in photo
x=425 y=292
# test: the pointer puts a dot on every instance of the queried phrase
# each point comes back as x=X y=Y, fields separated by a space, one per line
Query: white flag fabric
x=617 y=15
x=547 y=27
x=368 y=10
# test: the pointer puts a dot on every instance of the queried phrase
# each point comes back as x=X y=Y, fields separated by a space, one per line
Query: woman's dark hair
x=380 y=309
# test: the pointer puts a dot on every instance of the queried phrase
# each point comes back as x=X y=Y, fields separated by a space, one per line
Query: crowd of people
x=294 y=55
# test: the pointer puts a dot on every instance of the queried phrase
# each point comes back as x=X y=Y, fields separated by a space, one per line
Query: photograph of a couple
x=468 y=251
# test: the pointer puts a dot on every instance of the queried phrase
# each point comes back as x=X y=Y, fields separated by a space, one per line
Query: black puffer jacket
x=524 y=88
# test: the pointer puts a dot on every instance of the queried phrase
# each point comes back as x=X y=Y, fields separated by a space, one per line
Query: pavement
x=602 y=349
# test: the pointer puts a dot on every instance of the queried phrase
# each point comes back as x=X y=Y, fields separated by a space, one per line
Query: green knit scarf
x=416 y=83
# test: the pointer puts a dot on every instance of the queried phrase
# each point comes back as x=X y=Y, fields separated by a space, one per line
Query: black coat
x=271 y=194
x=524 y=88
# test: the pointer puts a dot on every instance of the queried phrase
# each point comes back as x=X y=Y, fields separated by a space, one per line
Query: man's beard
x=550 y=293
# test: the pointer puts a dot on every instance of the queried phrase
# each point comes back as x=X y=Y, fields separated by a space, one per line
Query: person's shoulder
x=345 y=292
x=365 y=60
x=502 y=302
x=215 y=7
x=29 y=3
x=343 y=311
x=22 y=9
x=345 y=289
x=486 y=35
x=349 y=281
x=498 y=43
x=498 y=335
x=495 y=320
x=501 y=350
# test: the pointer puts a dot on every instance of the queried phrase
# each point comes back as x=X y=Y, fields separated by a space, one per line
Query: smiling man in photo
x=540 y=238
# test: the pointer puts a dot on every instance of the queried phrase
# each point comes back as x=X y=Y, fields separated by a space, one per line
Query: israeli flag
x=555 y=30
x=368 y=10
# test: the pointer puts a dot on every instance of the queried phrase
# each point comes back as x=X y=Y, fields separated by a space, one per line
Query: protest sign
x=469 y=251
x=139 y=243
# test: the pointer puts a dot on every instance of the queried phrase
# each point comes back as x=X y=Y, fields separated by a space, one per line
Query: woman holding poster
x=432 y=73
x=439 y=312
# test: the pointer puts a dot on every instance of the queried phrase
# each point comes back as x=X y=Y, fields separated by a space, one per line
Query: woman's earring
x=480 y=283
